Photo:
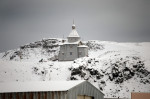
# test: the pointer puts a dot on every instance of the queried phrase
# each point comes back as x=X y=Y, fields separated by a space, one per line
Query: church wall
x=73 y=39
x=71 y=48
x=86 y=51
x=82 y=51
x=68 y=52
x=62 y=50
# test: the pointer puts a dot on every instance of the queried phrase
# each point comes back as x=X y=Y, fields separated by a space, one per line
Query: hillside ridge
x=117 y=69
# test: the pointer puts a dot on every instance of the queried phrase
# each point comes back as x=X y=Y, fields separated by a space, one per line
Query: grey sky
x=25 y=21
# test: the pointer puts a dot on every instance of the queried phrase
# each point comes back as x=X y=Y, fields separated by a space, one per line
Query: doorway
x=84 y=97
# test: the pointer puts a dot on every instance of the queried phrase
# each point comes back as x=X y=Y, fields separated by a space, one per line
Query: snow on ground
x=33 y=71
x=45 y=49
x=16 y=71
x=117 y=69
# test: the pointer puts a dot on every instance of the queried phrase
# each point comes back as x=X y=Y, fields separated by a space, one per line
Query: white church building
x=73 y=48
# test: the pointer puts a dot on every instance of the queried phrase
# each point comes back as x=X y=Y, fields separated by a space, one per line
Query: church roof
x=73 y=33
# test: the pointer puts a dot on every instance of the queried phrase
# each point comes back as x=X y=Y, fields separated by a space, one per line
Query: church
x=73 y=48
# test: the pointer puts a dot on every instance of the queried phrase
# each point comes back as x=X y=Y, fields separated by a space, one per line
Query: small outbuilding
x=140 y=95
x=50 y=90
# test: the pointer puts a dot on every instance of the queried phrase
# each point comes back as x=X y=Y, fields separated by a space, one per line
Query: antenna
x=73 y=20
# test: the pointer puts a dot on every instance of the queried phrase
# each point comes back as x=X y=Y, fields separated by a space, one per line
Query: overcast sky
x=25 y=21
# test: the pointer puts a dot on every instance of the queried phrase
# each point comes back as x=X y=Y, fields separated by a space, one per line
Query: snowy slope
x=117 y=69
x=44 y=49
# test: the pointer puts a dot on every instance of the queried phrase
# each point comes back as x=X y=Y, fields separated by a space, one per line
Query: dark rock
x=103 y=82
x=73 y=78
x=135 y=66
x=119 y=80
x=76 y=71
x=94 y=72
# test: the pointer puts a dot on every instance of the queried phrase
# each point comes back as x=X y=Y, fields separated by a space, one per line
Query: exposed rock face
x=117 y=71
x=121 y=71
x=46 y=48
x=92 y=45
x=45 y=43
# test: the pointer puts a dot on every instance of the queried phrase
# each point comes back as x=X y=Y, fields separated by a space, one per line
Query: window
x=62 y=53
x=70 y=53
x=71 y=46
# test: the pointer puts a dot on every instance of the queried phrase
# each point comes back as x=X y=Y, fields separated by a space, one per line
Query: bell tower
x=73 y=36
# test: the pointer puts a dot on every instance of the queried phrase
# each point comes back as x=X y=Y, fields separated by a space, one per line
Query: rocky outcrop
x=93 y=45
x=46 y=48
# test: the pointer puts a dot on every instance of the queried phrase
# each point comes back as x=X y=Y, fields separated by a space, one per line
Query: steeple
x=73 y=32
x=73 y=21
x=73 y=26
x=73 y=36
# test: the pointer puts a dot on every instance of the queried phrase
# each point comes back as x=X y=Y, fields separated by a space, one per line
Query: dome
x=74 y=33
x=73 y=26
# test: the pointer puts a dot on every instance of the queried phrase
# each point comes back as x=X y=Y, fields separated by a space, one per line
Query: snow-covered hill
x=44 y=49
x=117 y=69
